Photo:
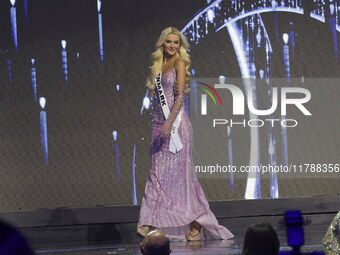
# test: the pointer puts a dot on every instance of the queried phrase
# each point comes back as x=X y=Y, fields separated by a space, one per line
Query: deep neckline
x=169 y=72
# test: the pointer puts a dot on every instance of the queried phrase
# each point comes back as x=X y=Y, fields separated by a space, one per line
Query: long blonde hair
x=157 y=59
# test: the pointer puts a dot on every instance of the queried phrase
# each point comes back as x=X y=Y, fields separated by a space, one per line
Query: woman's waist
x=158 y=115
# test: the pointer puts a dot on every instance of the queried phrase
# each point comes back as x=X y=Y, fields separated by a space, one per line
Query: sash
x=175 y=144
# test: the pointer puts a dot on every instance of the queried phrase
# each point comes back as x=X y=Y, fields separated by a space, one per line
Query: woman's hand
x=166 y=129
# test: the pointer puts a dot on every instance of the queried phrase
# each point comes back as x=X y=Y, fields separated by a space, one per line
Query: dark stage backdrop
x=83 y=112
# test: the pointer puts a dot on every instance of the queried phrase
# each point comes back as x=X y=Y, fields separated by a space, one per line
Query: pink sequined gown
x=173 y=195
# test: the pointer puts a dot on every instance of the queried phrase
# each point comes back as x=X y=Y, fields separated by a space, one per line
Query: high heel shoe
x=195 y=232
x=193 y=235
x=142 y=231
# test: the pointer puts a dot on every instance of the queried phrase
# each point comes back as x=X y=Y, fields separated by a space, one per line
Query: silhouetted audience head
x=154 y=243
x=261 y=239
x=12 y=242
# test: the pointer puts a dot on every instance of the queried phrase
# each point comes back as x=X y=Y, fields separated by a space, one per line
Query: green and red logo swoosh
x=209 y=93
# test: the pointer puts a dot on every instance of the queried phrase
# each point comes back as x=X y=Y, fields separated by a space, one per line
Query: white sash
x=175 y=144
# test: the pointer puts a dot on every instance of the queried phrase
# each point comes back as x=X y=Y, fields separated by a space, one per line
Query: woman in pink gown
x=174 y=200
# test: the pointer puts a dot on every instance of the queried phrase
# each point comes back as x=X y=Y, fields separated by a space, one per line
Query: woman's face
x=171 y=44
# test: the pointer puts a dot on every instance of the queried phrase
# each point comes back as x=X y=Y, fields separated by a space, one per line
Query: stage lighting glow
x=14 y=24
x=285 y=38
x=261 y=73
x=43 y=128
x=34 y=79
x=134 y=189
x=64 y=60
x=63 y=44
x=99 y=5
x=258 y=38
x=26 y=15
x=211 y=15
x=114 y=134
x=146 y=102
x=42 y=102
x=331 y=9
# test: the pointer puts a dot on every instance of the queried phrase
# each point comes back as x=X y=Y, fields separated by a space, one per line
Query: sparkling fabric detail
x=332 y=237
x=173 y=196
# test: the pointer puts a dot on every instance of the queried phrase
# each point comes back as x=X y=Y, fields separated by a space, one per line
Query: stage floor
x=111 y=229
x=217 y=247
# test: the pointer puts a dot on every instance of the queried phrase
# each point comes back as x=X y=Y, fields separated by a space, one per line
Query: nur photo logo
x=279 y=99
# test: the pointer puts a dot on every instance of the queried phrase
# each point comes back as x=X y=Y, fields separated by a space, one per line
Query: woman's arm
x=179 y=98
